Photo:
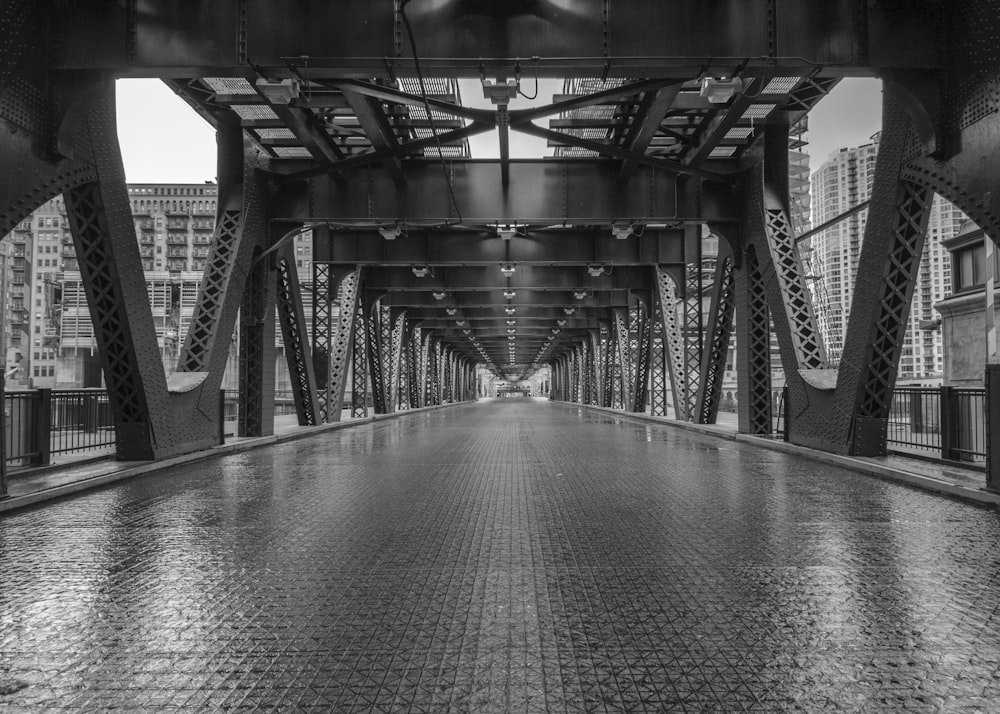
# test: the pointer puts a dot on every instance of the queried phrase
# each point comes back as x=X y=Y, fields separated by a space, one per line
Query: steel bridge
x=345 y=120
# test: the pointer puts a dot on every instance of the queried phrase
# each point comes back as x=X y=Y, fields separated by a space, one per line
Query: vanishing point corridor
x=508 y=556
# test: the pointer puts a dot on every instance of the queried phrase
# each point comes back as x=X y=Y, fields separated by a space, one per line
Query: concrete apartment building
x=842 y=182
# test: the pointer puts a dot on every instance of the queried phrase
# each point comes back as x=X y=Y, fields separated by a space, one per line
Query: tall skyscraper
x=844 y=181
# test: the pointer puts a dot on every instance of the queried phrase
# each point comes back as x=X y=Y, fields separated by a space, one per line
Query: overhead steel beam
x=547 y=192
x=533 y=278
x=355 y=40
x=494 y=298
x=647 y=124
x=437 y=247
x=376 y=126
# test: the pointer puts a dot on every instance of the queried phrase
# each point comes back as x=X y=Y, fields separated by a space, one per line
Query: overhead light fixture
x=580 y=294
x=450 y=310
x=459 y=322
x=465 y=332
x=511 y=331
x=501 y=91
x=511 y=322
x=595 y=270
x=506 y=231
x=719 y=90
x=555 y=330
x=278 y=91
x=509 y=294
x=621 y=231
x=510 y=310
x=560 y=322
x=390 y=232
x=569 y=310
x=438 y=295
x=421 y=271
x=507 y=270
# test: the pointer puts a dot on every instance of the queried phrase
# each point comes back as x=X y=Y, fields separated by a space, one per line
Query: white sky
x=165 y=141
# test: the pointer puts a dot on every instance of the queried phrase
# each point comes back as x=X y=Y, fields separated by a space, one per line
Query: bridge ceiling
x=359 y=109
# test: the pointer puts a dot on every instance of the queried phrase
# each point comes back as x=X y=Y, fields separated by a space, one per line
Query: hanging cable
x=427 y=106
x=517 y=76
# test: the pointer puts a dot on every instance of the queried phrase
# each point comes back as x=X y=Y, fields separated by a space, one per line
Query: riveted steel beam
x=552 y=192
x=439 y=247
x=568 y=40
x=376 y=126
x=295 y=338
x=531 y=278
x=720 y=329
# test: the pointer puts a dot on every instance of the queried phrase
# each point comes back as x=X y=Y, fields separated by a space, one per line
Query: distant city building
x=48 y=337
x=832 y=256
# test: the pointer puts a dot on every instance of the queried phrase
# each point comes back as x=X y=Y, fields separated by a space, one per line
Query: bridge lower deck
x=509 y=556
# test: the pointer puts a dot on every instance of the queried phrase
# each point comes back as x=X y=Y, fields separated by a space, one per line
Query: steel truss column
x=100 y=219
x=294 y=336
x=642 y=328
x=417 y=378
x=594 y=369
x=887 y=271
x=323 y=291
x=657 y=361
x=341 y=346
x=398 y=398
x=359 y=364
x=694 y=321
x=753 y=348
x=609 y=349
x=720 y=328
x=673 y=341
x=380 y=355
x=256 y=350
x=623 y=364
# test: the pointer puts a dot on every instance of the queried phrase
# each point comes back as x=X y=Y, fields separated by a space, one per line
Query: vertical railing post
x=991 y=410
x=946 y=406
x=222 y=416
x=41 y=428
x=3 y=437
x=786 y=420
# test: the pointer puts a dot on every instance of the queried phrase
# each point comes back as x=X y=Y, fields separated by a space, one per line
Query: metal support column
x=673 y=343
x=720 y=329
x=348 y=294
x=295 y=338
x=753 y=348
x=359 y=363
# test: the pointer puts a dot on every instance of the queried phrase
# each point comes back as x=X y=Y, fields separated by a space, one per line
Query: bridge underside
x=349 y=124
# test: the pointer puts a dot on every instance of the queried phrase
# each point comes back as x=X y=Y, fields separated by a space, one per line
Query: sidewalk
x=946 y=478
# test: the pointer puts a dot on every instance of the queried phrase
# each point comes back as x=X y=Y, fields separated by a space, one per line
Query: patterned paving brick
x=511 y=556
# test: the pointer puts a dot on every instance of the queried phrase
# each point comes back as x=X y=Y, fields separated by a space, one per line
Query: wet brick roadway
x=504 y=557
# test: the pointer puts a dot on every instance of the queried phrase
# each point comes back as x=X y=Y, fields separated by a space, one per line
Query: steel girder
x=577 y=40
x=322 y=334
x=256 y=350
x=753 y=348
x=720 y=328
x=100 y=220
x=642 y=328
x=295 y=338
x=359 y=362
x=658 y=370
x=341 y=345
x=379 y=332
x=673 y=343
x=846 y=411
x=462 y=247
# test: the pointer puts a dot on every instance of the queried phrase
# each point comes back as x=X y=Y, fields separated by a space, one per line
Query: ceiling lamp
x=595 y=270
x=459 y=322
x=280 y=91
x=421 y=271
x=560 y=322
x=510 y=310
x=580 y=294
x=507 y=270
x=509 y=294
x=390 y=232
x=450 y=310
x=506 y=231
x=569 y=310
x=621 y=231
x=719 y=90
x=438 y=295
x=511 y=322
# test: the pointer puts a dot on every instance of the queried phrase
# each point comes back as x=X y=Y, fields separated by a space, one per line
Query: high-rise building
x=843 y=182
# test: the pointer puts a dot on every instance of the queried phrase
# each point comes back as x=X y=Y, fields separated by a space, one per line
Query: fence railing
x=945 y=421
x=42 y=422
x=284 y=403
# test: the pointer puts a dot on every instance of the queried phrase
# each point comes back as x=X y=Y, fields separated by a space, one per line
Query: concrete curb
x=148 y=467
x=926 y=483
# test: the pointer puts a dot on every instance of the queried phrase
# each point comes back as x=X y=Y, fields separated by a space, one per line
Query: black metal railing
x=946 y=421
x=42 y=422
